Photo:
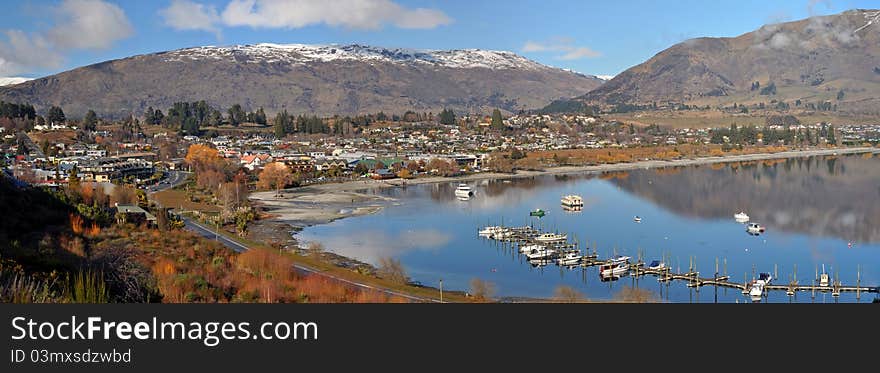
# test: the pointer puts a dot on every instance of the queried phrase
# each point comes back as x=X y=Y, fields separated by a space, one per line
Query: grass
x=329 y=268
x=175 y=198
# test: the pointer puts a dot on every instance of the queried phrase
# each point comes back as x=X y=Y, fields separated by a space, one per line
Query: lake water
x=817 y=210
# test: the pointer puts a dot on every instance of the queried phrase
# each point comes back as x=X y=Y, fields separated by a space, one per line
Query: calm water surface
x=813 y=208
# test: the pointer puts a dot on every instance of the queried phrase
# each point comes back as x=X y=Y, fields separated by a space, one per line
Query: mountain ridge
x=811 y=60
x=317 y=79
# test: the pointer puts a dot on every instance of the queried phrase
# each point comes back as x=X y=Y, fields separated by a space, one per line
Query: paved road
x=171 y=180
x=209 y=233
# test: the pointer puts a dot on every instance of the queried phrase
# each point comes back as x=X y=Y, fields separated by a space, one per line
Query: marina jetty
x=542 y=248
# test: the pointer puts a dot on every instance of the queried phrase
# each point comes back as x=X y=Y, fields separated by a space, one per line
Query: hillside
x=323 y=80
x=829 y=59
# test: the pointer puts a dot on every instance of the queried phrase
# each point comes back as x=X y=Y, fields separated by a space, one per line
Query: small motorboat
x=537 y=212
x=539 y=254
x=824 y=279
x=741 y=217
x=551 y=237
x=488 y=231
x=525 y=249
x=572 y=201
x=616 y=267
x=755 y=228
x=570 y=258
x=463 y=191
x=657 y=265
x=637 y=219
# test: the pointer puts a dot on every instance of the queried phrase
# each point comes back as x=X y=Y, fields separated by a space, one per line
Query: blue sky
x=41 y=37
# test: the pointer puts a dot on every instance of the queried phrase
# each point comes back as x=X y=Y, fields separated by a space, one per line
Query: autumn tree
x=482 y=290
x=567 y=294
x=276 y=176
x=392 y=270
x=634 y=295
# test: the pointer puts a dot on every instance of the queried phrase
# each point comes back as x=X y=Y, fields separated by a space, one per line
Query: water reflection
x=805 y=198
x=370 y=245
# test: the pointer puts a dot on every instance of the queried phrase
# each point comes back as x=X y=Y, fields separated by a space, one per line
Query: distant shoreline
x=323 y=203
x=351 y=186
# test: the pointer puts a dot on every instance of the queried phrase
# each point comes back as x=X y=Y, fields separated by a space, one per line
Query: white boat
x=541 y=254
x=572 y=200
x=551 y=237
x=757 y=288
x=637 y=219
x=657 y=265
x=500 y=235
x=525 y=249
x=824 y=279
x=572 y=208
x=490 y=230
x=464 y=190
x=616 y=267
x=570 y=258
x=741 y=217
x=756 y=291
x=755 y=228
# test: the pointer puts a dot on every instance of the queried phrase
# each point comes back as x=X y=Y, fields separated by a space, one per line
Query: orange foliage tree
x=274 y=176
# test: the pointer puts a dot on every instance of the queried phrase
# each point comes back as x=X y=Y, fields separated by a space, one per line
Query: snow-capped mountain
x=12 y=80
x=303 y=54
x=324 y=80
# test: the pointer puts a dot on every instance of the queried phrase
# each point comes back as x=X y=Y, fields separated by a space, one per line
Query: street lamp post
x=441 y=290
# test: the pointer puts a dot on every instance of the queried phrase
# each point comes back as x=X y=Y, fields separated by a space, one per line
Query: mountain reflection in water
x=806 y=198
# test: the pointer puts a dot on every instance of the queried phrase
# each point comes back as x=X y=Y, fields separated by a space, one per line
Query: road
x=301 y=269
x=171 y=180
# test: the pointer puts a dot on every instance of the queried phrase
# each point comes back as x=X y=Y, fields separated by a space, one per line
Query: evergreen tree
x=260 y=117
x=56 y=115
x=447 y=117
x=90 y=122
x=831 y=139
x=497 y=120
x=236 y=115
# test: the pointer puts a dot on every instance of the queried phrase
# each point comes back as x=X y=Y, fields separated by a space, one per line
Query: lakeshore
x=324 y=203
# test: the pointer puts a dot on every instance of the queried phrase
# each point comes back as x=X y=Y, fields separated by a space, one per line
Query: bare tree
x=482 y=290
x=392 y=269
x=567 y=294
x=634 y=295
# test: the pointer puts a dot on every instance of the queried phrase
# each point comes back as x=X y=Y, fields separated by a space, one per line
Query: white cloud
x=21 y=52
x=89 y=24
x=77 y=24
x=356 y=14
x=565 y=45
x=189 y=15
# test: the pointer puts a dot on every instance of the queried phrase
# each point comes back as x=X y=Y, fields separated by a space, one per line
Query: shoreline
x=299 y=208
x=324 y=203
x=353 y=186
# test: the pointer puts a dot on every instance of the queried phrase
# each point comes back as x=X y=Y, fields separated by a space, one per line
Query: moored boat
x=537 y=212
x=464 y=190
x=570 y=258
x=741 y=217
x=755 y=228
x=551 y=237
x=572 y=200
x=615 y=267
x=538 y=254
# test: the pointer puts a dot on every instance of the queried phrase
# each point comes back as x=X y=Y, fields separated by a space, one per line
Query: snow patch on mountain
x=11 y=80
x=301 y=54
